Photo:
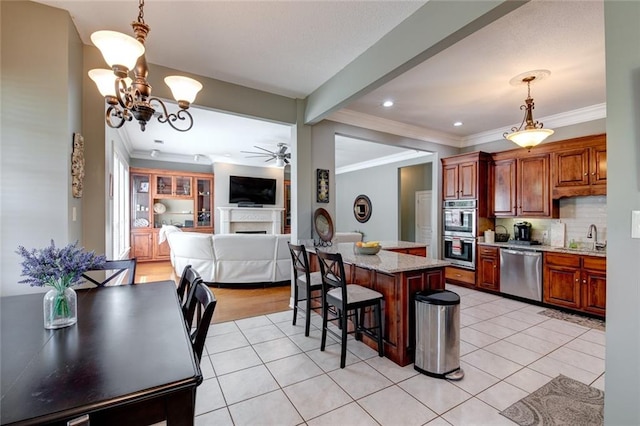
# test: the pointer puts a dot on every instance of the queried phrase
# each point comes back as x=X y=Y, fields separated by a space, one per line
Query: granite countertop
x=588 y=252
x=385 y=261
x=391 y=245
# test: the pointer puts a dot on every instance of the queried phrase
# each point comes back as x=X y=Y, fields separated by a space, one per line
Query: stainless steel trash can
x=437 y=327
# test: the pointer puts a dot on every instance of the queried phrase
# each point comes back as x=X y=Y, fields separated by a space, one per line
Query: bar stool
x=306 y=283
x=350 y=301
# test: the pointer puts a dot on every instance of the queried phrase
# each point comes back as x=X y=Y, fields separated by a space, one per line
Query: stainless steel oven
x=459 y=218
x=460 y=251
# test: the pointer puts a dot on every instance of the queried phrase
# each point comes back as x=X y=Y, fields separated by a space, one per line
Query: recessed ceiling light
x=458 y=123
x=387 y=104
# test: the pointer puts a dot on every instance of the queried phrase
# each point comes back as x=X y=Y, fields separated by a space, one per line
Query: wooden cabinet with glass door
x=287 y=207
x=166 y=197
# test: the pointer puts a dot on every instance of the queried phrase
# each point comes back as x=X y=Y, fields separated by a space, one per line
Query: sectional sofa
x=239 y=259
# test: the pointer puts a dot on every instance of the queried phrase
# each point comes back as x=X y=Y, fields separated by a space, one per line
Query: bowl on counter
x=367 y=250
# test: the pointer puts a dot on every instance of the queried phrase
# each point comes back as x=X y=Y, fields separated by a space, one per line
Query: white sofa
x=232 y=258
x=346 y=237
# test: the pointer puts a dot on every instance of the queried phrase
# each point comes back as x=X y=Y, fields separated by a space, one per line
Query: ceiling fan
x=281 y=155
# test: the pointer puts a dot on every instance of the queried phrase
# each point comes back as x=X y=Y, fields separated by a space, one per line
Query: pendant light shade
x=183 y=88
x=529 y=138
x=118 y=49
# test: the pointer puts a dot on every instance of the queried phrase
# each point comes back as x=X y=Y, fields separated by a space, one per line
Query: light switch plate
x=635 y=224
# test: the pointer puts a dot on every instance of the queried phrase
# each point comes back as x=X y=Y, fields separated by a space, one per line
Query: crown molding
x=402 y=156
x=359 y=119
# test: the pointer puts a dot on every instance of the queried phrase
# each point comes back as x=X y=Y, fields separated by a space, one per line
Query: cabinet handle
x=584 y=281
x=577 y=279
x=593 y=173
x=586 y=174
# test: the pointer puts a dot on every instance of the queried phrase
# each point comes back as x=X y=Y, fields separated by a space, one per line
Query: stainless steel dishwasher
x=521 y=273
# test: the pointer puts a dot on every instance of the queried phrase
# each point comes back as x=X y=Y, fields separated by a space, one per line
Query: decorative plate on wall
x=159 y=208
x=362 y=208
x=323 y=224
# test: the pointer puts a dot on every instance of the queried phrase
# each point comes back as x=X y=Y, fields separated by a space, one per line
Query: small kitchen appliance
x=522 y=231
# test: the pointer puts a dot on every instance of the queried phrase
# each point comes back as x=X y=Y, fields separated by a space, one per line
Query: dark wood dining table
x=127 y=361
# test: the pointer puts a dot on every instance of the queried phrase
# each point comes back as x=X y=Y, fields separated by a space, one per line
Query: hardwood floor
x=232 y=303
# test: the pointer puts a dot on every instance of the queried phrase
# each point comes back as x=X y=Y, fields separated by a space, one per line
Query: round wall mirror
x=323 y=224
x=362 y=208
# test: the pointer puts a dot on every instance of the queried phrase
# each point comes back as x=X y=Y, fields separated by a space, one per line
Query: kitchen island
x=398 y=277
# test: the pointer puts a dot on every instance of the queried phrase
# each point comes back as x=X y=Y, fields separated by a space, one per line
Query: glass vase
x=60 y=308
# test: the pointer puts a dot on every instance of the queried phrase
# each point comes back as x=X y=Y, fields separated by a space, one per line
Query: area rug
x=562 y=401
x=574 y=318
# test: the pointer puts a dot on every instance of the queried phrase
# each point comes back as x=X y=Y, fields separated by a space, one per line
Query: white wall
x=222 y=172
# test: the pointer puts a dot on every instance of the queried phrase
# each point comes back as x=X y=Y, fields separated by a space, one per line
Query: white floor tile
x=552 y=367
x=391 y=370
x=438 y=421
x=317 y=396
x=548 y=335
x=359 y=379
x=207 y=368
x=329 y=359
x=478 y=312
x=437 y=394
x=269 y=409
x=495 y=307
x=291 y=330
x=394 y=406
x=284 y=316
x=225 y=342
x=361 y=350
x=564 y=327
x=599 y=383
x=245 y=384
x=511 y=323
x=513 y=352
x=491 y=363
x=209 y=397
x=253 y=322
x=311 y=342
x=234 y=360
x=528 y=380
x=350 y=414
x=532 y=343
x=595 y=336
x=475 y=412
x=466 y=348
x=276 y=349
x=502 y=395
x=222 y=328
x=493 y=329
x=466 y=320
x=474 y=380
x=528 y=317
x=476 y=338
x=578 y=359
x=263 y=333
x=587 y=347
x=293 y=369
x=220 y=417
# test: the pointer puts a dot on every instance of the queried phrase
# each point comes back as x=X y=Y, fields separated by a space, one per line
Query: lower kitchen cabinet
x=488 y=268
x=460 y=276
x=576 y=282
x=415 y=251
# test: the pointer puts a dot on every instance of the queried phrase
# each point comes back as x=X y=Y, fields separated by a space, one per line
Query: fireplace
x=250 y=232
x=265 y=220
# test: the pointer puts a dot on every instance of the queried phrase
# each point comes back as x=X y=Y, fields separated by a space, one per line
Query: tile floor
x=263 y=371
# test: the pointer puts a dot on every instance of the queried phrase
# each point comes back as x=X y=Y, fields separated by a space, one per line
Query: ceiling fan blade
x=258 y=153
x=263 y=149
x=286 y=161
x=283 y=149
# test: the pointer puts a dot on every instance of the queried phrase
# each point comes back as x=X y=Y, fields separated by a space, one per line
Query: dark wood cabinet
x=575 y=282
x=579 y=167
x=464 y=177
x=460 y=276
x=488 y=268
x=415 y=251
x=520 y=186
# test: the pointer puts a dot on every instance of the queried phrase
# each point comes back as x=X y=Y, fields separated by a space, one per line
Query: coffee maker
x=522 y=231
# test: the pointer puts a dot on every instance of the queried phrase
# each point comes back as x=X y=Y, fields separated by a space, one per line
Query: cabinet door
x=141 y=246
x=160 y=251
x=169 y=186
x=488 y=276
x=533 y=194
x=204 y=202
x=450 y=182
x=571 y=168
x=287 y=207
x=594 y=292
x=599 y=168
x=140 y=201
x=562 y=286
x=467 y=180
x=503 y=175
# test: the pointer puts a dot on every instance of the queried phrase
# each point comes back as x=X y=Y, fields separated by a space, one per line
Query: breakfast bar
x=398 y=276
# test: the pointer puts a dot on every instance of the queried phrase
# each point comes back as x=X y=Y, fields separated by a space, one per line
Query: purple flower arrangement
x=57 y=267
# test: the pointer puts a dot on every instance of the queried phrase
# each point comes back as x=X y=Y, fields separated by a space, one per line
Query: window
x=120 y=203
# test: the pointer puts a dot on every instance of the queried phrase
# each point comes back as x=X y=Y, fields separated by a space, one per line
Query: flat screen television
x=245 y=189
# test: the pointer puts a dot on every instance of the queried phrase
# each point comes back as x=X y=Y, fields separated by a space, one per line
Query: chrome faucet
x=593 y=233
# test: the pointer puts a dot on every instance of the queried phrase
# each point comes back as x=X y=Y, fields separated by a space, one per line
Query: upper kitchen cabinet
x=520 y=185
x=579 y=167
x=464 y=177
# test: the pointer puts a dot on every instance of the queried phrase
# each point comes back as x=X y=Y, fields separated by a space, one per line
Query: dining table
x=127 y=361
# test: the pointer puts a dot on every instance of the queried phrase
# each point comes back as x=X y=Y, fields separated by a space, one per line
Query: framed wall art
x=362 y=208
x=77 y=165
x=322 y=184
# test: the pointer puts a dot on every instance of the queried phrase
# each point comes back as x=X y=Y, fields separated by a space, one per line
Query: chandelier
x=533 y=132
x=127 y=98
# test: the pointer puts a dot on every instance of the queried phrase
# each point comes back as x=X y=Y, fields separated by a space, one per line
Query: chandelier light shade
x=129 y=99
x=533 y=132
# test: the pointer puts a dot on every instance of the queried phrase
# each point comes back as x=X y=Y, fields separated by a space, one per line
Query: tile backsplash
x=577 y=213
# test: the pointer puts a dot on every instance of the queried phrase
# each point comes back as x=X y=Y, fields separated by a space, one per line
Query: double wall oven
x=460 y=229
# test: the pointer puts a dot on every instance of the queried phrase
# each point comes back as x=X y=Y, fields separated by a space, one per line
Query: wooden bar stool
x=306 y=283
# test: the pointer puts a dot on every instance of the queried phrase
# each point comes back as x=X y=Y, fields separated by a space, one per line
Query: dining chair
x=201 y=304
x=188 y=277
x=306 y=283
x=349 y=301
x=125 y=268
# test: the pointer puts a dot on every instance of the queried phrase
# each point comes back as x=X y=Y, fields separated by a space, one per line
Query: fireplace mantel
x=266 y=218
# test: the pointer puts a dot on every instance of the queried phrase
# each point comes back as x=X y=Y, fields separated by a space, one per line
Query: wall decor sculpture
x=362 y=208
x=77 y=165
x=322 y=183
